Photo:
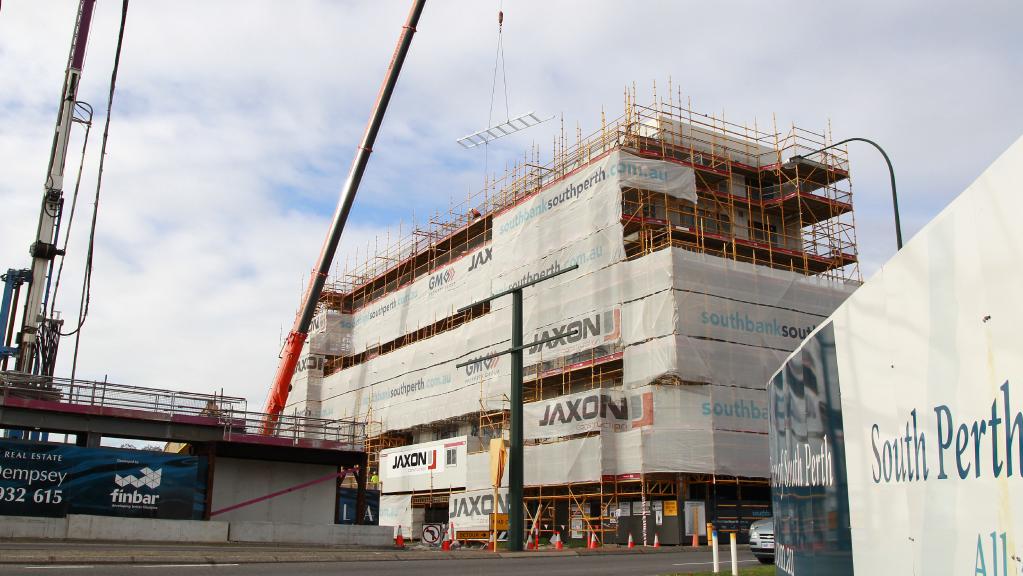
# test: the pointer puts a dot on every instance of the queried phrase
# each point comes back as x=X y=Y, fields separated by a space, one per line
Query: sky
x=235 y=123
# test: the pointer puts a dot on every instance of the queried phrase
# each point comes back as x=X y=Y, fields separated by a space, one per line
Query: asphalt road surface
x=611 y=565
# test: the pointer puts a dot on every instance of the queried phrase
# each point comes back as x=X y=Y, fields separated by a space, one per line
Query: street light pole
x=891 y=173
x=516 y=524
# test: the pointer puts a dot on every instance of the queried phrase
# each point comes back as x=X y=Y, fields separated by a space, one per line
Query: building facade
x=704 y=258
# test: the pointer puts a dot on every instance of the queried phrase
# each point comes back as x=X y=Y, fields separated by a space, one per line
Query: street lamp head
x=798 y=159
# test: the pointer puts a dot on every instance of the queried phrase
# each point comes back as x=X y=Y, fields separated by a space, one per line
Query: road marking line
x=183 y=565
x=58 y=567
x=711 y=562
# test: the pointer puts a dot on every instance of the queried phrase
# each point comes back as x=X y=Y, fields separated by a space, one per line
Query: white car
x=761 y=540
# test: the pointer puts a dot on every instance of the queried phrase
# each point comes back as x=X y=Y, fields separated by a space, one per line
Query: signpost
x=515 y=481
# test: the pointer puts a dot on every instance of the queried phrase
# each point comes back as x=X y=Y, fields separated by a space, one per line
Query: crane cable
x=83 y=309
x=498 y=60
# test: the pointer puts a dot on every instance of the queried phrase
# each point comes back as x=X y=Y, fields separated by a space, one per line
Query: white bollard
x=735 y=554
x=714 y=549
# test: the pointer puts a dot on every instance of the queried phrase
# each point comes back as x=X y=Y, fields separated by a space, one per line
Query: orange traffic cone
x=399 y=540
x=657 y=541
x=594 y=543
x=696 y=539
x=446 y=544
x=558 y=545
x=530 y=544
x=631 y=543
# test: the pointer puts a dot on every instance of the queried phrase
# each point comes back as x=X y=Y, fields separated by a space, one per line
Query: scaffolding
x=377 y=441
x=798 y=214
x=754 y=205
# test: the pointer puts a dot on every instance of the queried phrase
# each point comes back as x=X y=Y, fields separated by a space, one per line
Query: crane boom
x=44 y=249
x=278 y=397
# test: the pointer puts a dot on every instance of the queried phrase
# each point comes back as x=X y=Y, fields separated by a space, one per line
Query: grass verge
x=767 y=570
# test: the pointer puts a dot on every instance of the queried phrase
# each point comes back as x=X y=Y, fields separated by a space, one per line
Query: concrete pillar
x=211 y=463
x=88 y=439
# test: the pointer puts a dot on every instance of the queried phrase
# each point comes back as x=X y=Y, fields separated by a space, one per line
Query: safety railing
x=113 y=395
x=229 y=412
x=347 y=432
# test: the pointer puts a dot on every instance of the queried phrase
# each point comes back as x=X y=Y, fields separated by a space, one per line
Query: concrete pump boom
x=278 y=397
x=44 y=249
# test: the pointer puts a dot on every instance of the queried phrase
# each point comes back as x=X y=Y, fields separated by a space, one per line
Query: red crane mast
x=278 y=397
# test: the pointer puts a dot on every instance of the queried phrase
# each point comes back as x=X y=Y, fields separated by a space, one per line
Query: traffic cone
x=631 y=543
x=657 y=541
x=593 y=540
x=530 y=544
x=399 y=540
x=446 y=544
x=696 y=539
x=558 y=545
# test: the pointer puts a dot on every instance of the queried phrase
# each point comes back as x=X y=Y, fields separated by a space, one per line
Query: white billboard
x=438 y=465
x=902 y=417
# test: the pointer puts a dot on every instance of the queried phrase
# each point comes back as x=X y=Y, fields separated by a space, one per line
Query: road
x=588 y=565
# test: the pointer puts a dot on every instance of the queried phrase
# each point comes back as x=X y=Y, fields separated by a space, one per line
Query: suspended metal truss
x=516 y=124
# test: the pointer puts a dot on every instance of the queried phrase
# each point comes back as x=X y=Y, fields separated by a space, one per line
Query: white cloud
x=235 y=123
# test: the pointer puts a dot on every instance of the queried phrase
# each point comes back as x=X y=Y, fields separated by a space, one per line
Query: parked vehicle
x=761 y=540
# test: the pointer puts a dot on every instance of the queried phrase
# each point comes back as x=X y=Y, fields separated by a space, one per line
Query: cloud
x=234 y=126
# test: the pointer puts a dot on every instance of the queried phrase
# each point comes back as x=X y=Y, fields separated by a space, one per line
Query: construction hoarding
x=396 y=510
x=42 y=479
x=347 y=507
x=897 y=429
x=471 y=510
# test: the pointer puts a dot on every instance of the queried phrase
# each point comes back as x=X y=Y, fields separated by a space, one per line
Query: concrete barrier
x=319 y=534
x=33 y=527
x=84 y=527
x=353 y=535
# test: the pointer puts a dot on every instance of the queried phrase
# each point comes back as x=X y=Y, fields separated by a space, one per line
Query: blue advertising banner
x=346 y=506
x=40 y=479
x=809 y=481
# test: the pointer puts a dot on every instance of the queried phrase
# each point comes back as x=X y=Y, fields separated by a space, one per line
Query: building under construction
x=705 y=255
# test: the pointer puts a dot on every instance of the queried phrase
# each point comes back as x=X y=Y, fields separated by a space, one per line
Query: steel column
x=515 y=477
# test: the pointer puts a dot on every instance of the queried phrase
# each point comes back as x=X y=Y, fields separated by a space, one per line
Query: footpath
x=38 y=552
